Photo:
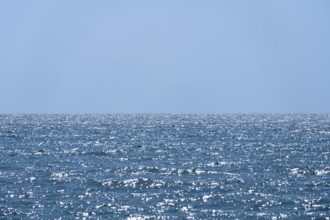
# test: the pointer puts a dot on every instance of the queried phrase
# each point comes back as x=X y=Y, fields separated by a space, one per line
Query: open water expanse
x=158 y=166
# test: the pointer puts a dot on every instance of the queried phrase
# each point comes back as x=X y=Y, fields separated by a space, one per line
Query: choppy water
x=165 y=166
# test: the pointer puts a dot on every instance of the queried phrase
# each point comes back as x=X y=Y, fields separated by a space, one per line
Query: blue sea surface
x=159 y=166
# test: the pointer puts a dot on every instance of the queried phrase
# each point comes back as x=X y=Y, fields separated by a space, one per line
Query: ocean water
x=158 y=166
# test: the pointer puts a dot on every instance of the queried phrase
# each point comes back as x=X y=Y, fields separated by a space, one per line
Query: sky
x=166 y=56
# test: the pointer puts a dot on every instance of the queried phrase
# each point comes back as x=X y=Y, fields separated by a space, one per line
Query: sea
x=165 y=166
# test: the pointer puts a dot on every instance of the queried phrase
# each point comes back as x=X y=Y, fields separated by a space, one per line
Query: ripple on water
x=164 y=166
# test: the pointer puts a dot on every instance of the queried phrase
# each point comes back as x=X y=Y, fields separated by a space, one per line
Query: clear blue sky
x=187 y=56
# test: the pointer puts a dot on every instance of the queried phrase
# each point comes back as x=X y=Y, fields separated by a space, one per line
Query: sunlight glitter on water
x=164 y=166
